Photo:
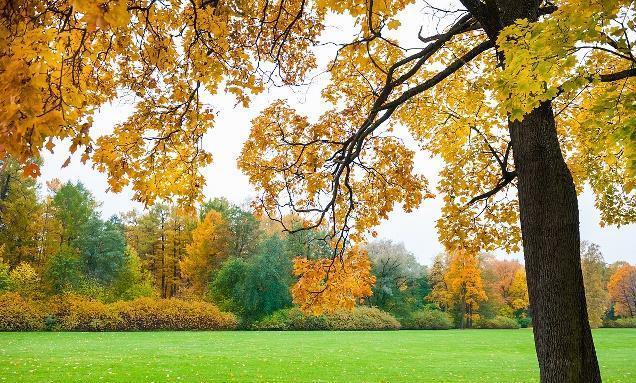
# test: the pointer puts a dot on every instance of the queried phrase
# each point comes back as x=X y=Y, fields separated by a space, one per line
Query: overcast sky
x=232 y=124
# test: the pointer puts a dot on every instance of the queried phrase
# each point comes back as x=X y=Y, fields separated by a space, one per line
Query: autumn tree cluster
x=54 y=241
x=471 y=287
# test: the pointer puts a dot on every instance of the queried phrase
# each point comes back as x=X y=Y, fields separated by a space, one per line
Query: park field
x=237 y=356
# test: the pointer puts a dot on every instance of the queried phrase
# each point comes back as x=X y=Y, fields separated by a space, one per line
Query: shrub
x=498 y=322
x=429 y=319
x=360 y=318
x=525 y=322
x=63 y=271
x=172 y=314
x=80 y=314
x=51 y=323
x=291 y=319
x=76 y=313
x=19 y=314
x=620 y=323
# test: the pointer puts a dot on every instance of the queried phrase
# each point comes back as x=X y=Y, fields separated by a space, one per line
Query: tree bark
x=549 y=215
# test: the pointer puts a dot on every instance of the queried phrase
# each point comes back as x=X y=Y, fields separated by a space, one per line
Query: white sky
x=232 y=125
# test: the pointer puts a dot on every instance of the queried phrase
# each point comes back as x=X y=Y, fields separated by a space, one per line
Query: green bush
x=525 y=322
x=360 y=318
x=498 y=322
x=291 y=319
x=620 y=323
x=428 y=319
x=19 y=314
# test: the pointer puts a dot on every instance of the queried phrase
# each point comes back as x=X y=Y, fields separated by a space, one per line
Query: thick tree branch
x=507 y=178
x=609 y=77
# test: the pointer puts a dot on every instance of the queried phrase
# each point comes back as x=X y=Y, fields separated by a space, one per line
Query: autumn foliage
x=76 y=313
x=205 y=251
x=326 y=285
x=20 y=314
x=465 y=286
x=622 y=290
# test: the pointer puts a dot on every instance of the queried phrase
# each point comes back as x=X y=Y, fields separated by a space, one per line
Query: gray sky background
x=232 y=125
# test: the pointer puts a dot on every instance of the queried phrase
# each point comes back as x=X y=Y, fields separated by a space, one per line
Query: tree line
x=56 y=243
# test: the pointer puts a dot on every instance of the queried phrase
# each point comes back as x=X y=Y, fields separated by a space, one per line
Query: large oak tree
x=524 y=101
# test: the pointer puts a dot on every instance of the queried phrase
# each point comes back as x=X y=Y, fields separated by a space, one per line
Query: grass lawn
x=395 y=356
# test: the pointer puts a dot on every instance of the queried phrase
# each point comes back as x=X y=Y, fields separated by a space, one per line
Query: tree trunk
x=163 y=261
x=549 y=217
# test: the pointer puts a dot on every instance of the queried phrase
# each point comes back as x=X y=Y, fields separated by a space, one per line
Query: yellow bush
x=80 y=314
x=19 y=314
x=172 y=314
x=77 y=313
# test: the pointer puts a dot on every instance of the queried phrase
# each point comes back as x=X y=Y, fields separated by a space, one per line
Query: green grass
x=395 y=356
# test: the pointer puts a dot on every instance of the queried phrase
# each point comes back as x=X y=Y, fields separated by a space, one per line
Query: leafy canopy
x=345 y=170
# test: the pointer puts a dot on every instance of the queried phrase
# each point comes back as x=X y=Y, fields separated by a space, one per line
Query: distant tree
x=506 y=287
x=4 y=272
x=596 y=295
x=160 y=237
x=63 y=271
x=244 y=232
x=19 y=211
x=205 y=252
x=519 y=291
x=309 y=244
x=178 y=234
x=102 y=245
x=132 y=281
x=49 y=230
x=141 y=232
x=256 y=286
x=465 y=286
x=268 y=279
x=221 y=205
x=74 y=208
x=401 y=282
x=227 y=287
x=498 y=276
x=622 y=291
x=439 y=294
x=611 y=269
